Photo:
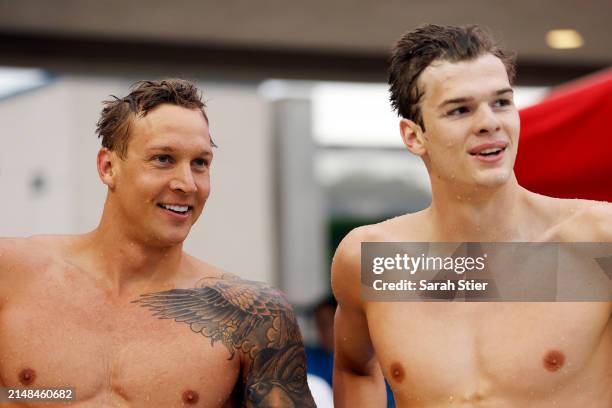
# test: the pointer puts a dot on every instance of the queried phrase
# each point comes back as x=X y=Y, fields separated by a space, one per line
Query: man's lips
x=178 y=209
x=486 y=149
x=489 y=152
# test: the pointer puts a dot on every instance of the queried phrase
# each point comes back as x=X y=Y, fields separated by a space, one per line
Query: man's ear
x=105 y=161
x=412 y=135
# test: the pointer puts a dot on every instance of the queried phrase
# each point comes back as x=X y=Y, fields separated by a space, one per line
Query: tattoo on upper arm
x=250 y=318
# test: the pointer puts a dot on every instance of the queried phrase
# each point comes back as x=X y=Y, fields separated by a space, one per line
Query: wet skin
x=472 y=354
x=139 y=349
x=489 y=354
x=105 y=312
x=62 y=328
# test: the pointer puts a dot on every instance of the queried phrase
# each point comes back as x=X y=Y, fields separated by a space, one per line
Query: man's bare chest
x=117 y=352
x=486 y=348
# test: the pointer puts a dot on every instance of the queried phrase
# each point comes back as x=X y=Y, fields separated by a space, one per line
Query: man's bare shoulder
x=403 y=228
x=213 y=299
x=584 y=221
x=195 y=269
x=25 y=254
x=26 y=245
x=346 y=265
x=239 y=293
x=347 y=258
x=254 y=321
x=23 y=258
x=11 y=248
x=16 y=247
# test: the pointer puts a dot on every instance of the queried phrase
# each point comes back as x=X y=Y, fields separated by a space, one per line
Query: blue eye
x=502 y=102
x=201 y=162
x=162 y=158
x=458 y=111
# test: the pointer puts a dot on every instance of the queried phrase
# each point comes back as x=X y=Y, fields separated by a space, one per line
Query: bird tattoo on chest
x=251 y=319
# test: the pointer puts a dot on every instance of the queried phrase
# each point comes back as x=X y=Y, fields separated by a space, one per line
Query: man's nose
x=486 y=121
x=183 y=180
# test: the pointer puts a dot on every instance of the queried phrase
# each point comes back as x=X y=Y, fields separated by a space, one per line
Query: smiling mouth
x=178 y=209
x=494 y=151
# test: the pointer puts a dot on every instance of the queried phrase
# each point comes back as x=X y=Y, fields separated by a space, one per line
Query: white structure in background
x=361 y=162
x=352 y=114
x=266 y=217
x=16 y=80
x=301 y=200
x=50 y=185
x=321 y=391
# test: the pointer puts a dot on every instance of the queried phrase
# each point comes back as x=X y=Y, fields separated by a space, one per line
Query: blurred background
x=297 y=101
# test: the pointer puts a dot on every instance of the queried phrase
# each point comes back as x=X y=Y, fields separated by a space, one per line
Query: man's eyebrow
x=170 y=149
x=467 y=99
x=505 y=90
x=454 y=100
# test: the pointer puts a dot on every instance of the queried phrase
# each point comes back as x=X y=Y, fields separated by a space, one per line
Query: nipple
x=397 y=372
x=27 y=376
x=553 y=360
x=190 y=397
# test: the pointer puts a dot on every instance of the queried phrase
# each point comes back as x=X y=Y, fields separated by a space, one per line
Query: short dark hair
x=117 y=115
x=418 y=48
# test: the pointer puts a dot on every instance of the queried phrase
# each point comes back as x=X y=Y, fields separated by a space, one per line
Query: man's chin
x=169 y=239
x=493 y=178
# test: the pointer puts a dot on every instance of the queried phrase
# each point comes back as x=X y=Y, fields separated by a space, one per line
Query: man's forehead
x=171 y=127
x=445 y=79
x=172 y=118
x=168 y=116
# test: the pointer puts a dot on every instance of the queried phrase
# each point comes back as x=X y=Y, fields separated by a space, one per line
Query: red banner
x=565 y=148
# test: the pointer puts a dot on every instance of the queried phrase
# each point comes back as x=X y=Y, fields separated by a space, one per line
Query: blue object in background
x=321 y=363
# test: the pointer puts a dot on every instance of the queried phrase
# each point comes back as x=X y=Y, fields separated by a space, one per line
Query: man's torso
x=491 y=354
x=61 y=329
x=495 y=354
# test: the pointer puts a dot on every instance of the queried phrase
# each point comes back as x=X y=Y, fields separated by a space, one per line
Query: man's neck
x=126 y=263
x=479 y=214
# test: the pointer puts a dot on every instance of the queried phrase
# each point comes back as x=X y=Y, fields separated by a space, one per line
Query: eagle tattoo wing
x=230 y=312
x=247 y=317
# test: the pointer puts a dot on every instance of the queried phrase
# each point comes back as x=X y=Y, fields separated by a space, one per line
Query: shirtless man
x=122 y=314
x=452 y=89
